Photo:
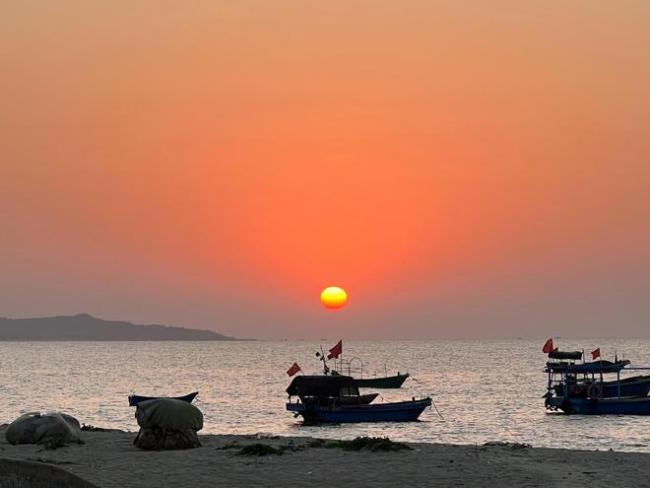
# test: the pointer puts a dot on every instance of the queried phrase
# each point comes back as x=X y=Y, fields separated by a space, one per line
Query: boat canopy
x=319 y=385
x=595 y=367
x=572 y=355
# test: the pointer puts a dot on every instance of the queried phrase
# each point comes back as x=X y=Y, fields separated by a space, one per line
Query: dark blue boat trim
x=607 y=406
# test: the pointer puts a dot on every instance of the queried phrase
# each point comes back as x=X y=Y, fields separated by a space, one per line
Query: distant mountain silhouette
x=84 y=327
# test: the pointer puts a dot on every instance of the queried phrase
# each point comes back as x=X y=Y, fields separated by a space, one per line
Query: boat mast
x=321 y=356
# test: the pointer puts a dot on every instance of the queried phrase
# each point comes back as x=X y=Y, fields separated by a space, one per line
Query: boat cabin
x=322 y=387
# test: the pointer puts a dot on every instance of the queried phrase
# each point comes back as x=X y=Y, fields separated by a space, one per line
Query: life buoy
x=595 y=391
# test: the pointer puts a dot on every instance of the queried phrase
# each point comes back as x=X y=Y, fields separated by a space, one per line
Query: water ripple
x=485 y=390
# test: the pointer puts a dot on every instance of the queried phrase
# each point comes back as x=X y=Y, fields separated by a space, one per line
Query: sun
x=333 y=297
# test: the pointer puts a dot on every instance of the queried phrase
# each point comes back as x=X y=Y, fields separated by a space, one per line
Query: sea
x=483 y=391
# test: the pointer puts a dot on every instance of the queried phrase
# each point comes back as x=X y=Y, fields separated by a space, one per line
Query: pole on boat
x=321 y=356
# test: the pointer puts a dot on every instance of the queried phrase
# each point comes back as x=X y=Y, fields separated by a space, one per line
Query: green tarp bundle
x=169 y=413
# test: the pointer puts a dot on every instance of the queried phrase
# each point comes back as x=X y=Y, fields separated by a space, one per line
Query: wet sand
x=109 y=459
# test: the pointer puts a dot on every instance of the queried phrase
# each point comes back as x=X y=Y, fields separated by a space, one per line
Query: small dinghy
x=382 y=382
x=357 y=399
x=135 y=399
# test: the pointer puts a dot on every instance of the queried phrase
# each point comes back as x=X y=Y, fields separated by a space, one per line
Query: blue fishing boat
x=135 y=399
x=407 y=411
x=319 y=401
x=580 y=388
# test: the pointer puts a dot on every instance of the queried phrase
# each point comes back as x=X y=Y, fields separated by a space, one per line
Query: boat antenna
x=321 y=356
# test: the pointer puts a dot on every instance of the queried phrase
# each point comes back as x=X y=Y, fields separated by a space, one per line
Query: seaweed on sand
x=373 y=444
x=259 y=449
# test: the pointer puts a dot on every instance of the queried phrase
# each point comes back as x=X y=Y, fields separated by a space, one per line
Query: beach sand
x=109 y=459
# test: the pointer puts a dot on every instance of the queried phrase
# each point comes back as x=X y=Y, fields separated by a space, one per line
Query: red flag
x=595 y=354
x=293 y=369
x=548 y=346
x=336 y=351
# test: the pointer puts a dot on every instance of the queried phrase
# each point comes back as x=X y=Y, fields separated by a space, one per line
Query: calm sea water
x=484 y=390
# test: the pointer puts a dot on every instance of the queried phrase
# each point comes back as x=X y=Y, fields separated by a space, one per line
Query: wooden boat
x=595 y=367
x=572 y=355
x=385 y=382
x=135 y=399
x=320 y=402
x=354 y=368
x=358 y=399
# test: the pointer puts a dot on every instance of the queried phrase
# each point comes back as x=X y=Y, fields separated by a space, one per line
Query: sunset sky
x=463 y=169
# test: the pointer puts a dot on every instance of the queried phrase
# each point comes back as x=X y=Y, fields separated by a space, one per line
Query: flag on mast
x=595 y=354
x=548 y=346
x=293 y=369
x=336 y=351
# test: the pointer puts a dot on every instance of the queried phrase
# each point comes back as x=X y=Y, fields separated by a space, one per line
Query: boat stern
x=295 y=407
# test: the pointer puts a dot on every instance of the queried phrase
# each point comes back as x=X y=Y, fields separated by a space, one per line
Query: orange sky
x=462 y=170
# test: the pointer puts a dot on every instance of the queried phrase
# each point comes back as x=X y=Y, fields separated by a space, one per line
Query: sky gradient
x=462 y=169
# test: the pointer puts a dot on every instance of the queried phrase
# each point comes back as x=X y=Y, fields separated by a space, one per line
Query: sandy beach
x=109 y=459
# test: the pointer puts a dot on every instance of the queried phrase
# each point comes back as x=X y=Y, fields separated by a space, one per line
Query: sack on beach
x=169 y=413
x=167 y=423
x=155 y=439
x=52 y=429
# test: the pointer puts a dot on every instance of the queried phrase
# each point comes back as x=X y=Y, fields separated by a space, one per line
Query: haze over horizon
x=463 y=171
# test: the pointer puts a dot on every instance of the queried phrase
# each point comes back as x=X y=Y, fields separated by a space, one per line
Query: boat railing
x=350 y=367
x=566 y=379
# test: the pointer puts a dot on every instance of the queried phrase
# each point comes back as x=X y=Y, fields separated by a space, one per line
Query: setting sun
x=333 y=297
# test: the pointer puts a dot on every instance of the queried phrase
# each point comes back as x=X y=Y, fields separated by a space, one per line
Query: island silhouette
x=85 y=327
